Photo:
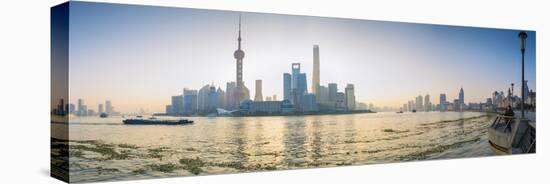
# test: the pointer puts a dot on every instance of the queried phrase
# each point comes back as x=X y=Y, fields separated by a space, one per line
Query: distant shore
x=270 y=114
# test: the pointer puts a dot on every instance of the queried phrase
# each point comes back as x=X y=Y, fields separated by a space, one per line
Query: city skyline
x=478 y=59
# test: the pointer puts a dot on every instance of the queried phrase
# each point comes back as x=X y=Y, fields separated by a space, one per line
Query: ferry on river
x=155 y=121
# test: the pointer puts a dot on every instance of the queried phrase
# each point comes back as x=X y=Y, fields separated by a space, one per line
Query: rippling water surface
x=105 y=149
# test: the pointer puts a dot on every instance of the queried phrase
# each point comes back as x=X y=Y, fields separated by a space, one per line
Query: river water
x=105 y=149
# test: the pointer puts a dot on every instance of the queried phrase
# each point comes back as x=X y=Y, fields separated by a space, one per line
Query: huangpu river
x=105 y=149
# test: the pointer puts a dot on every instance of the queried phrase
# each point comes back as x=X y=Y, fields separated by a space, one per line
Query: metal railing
x=503 y=121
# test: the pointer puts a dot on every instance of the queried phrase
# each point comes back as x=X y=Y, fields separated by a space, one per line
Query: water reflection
x=237 y=144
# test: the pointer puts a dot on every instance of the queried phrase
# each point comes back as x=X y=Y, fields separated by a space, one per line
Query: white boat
x=511 y=135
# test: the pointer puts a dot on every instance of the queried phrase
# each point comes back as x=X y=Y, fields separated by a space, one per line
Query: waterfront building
x=461 y=97
x=442 y=102
x=168 y=110
x=332 y=91
x=287 y=86
x=419 y=104
x=71 y=108
x=80 y=107
x=267 y=107
x=340 y=101
x=230 y=102
x=258 y=94
x=177 y=105
x=100 y=108
x=190 y=101
x=287 y=107
x=274 y=98
x=316 y=72
x=350 y=97
x=427 y=103
x=309 y=103
x=268 y=98
x=322 y=96
x=109 y=109
x=221 y=98
x=457 y=105
x=208 y=99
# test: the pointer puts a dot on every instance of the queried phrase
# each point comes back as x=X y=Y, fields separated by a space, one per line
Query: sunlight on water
x=105 y=149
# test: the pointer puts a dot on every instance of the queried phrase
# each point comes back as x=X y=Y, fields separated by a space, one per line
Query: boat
x=103 y=115
x=399 y=112
x=414 y=110
x=154 y=121
x=511 y=135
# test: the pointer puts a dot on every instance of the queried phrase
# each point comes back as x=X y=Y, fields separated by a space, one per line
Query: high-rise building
x=100 y=108
x=177 y=105
x=340 y=101
x=442 y=102
x=221 y=98
x=461 y=97
x=241 y=91
x=419 y=104
x=258 y=95
x=427 y=103
x=109 y=107
x=190 y=101
x=302 y=86
x=309 y=103
x=332 y=91
x=295 y=75
x=287 y=86
x=80 y=111
x=230 y=101
x=350 y=97
x=316 y=72
x=322 y=95
x=169 y=110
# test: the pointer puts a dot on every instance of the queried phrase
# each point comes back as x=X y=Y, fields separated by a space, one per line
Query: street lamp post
x=522 y=36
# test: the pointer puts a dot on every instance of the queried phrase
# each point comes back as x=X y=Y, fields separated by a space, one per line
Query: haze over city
x=138 y=57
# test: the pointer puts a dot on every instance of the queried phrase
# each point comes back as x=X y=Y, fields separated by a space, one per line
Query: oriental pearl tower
x=241 y=92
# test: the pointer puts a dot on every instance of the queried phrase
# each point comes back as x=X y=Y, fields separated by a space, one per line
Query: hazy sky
x=139 y=56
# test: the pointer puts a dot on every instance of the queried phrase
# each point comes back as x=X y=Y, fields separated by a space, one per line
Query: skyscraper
x=442 y=102
x=241 y=92
x=350 y=97
x=287 y=86
x=258 y=95
x=461 y=97
x=322 y=95
x=100 y=108
x=419 y=104
x=177 y=105
x=295 y=75
x=190 y=101
x=427 y=103
x=108 y=107
x=80 y=111
x=316 y=72
x=332 y=90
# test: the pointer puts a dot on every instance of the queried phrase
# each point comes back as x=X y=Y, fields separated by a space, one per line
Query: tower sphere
x=239 y=54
